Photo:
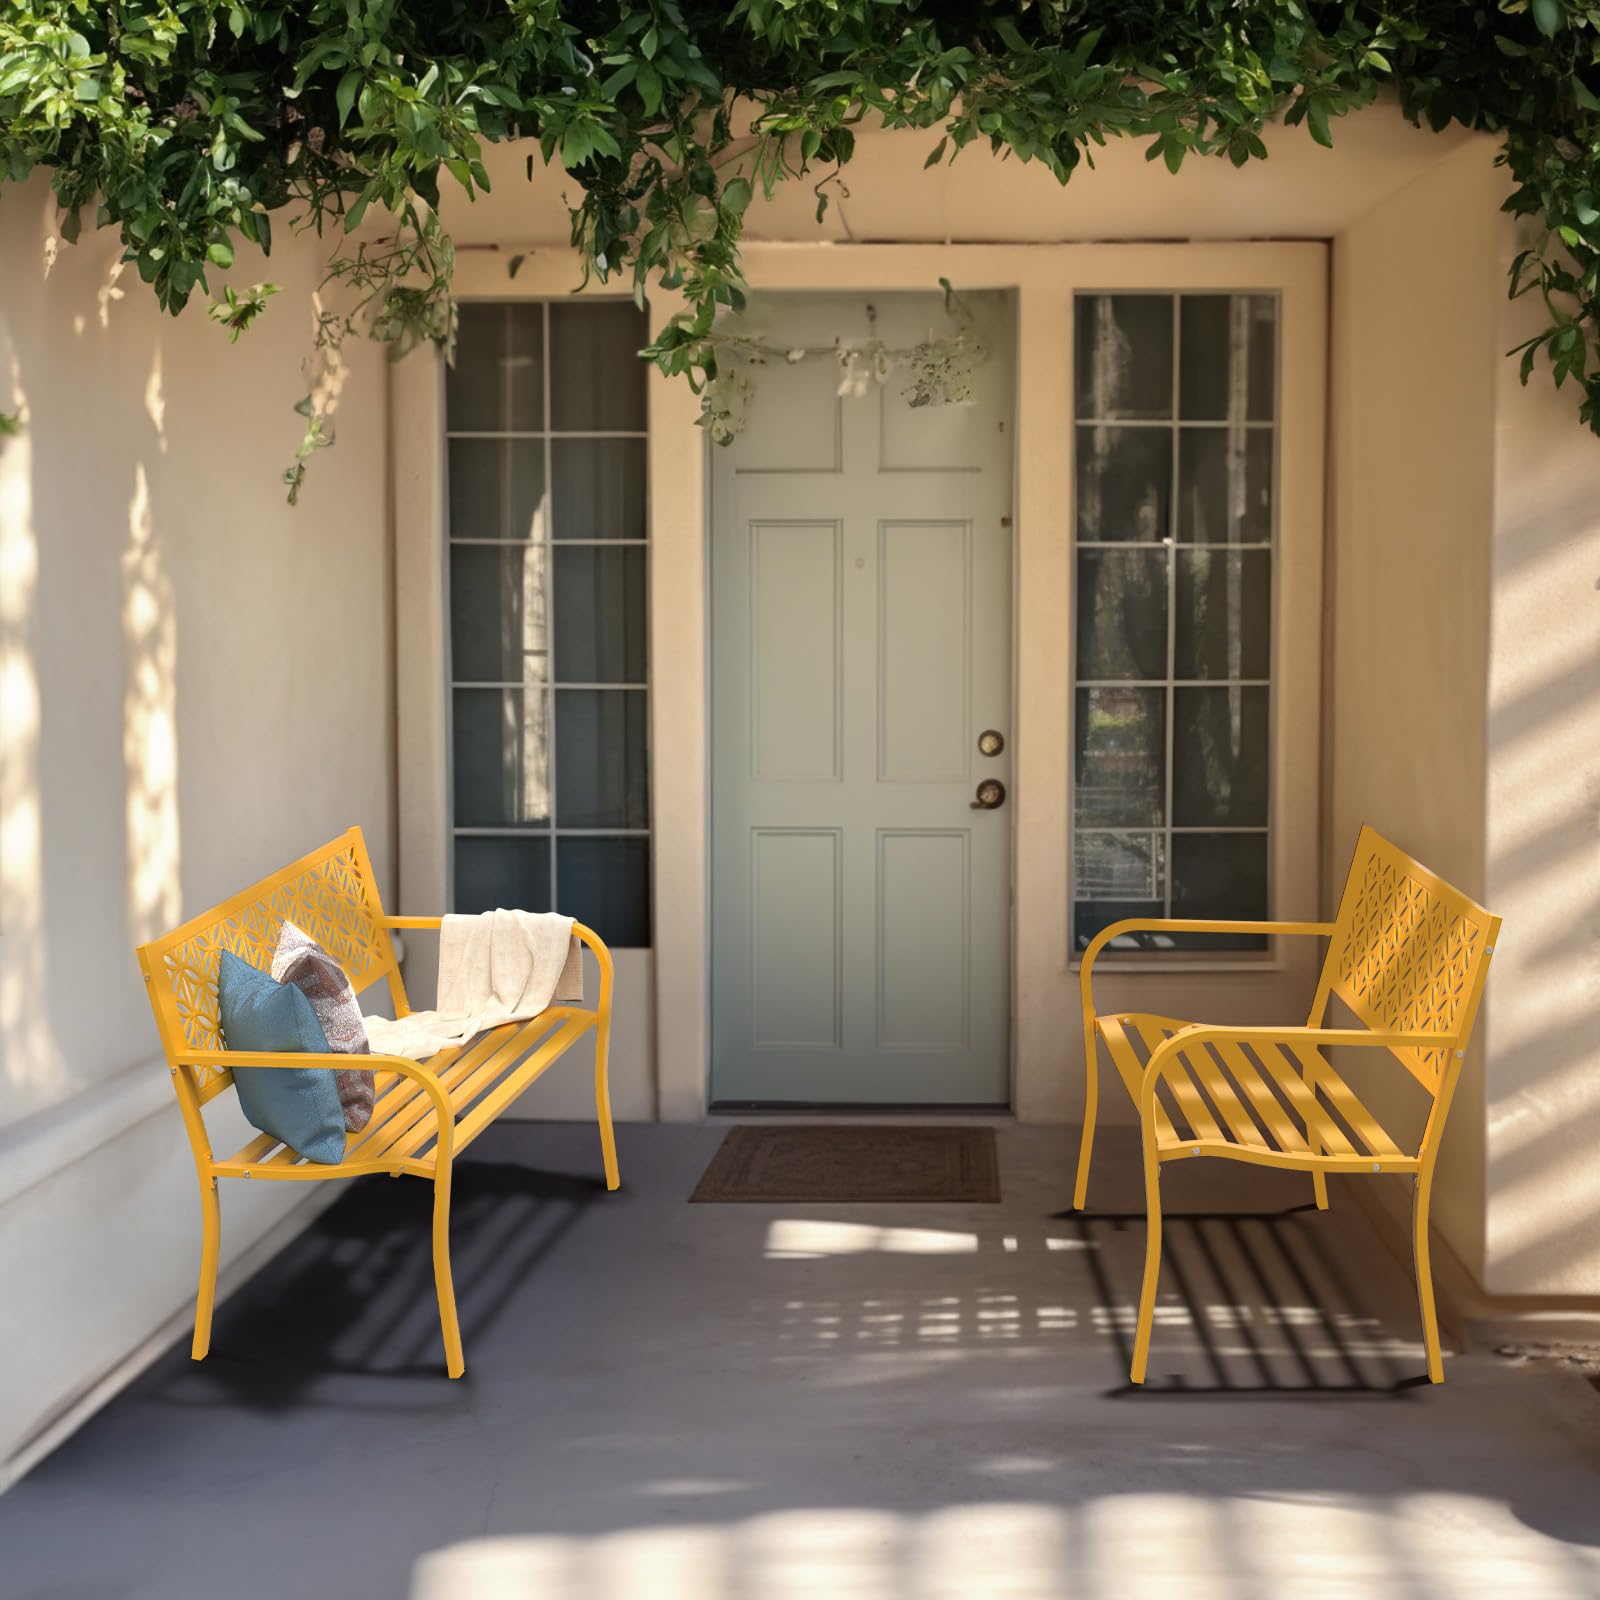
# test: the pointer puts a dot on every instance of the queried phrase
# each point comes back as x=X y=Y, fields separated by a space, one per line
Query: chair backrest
x=1408 y=955
x=330 y=894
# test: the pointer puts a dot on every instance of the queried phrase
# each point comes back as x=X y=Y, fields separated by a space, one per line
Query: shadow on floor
x=1270 y=1309
x=354 y=1295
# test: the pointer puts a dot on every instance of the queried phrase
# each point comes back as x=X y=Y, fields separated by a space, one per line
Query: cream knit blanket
x=502 y=966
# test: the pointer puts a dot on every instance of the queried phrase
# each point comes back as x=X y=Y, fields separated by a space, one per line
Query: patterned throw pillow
x=300 y=960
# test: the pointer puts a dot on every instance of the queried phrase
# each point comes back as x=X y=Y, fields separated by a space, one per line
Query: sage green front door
x=861 y=667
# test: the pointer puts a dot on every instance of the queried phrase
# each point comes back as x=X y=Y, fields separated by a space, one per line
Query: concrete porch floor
x=757 y=1403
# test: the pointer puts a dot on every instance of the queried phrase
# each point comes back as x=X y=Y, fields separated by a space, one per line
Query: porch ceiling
x=857 y=1403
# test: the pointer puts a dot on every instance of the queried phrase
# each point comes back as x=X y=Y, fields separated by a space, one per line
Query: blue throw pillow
x=300 y=1105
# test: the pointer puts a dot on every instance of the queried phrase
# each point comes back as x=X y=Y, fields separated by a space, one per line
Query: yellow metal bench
x=424 y=1114
x=1407 y=954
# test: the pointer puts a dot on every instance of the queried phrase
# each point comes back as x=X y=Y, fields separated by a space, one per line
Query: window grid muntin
x=1173 y=546
x=549 y=829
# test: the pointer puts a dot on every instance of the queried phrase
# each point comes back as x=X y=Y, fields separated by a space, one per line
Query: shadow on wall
x=88 y=856
x=30 y=1059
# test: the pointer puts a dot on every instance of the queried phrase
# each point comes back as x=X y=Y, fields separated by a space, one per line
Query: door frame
x=1046 y=1047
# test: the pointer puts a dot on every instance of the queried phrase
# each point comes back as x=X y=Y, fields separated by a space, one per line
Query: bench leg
x=1319 y=1187
x=1430 y=1316
x=602 y=1104
x=210 y=1244
x=1091 y=1103
x=1152 y=1265
x=443 y=1285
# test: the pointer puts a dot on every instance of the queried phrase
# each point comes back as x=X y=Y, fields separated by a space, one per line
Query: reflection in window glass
x=545 y=414
x=1176 y=458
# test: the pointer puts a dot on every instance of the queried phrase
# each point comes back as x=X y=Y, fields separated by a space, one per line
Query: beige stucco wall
x=1542 y=867
x=1464 y=696
x=1414 y=358
x=195 y=685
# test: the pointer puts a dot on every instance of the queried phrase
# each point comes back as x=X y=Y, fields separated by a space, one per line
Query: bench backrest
x=1408 y=955
x=330 y=894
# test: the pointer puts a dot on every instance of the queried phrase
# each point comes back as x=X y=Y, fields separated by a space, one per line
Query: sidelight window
x=550 y=799
x=1175 y=458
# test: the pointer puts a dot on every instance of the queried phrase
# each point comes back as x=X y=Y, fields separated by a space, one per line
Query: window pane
x=1225 y=485
x=1120 y=776
x=601 y=772
x=1219 y=758
x=605 y=884
x=598 y=488
x=502 y=758
x=597 y=381
x=1124 y=356
x=1118 y=866
x=600 y=604
x=1221 y=875
x=497 y=382
x=1228 y=351
x=497 y=489
x=1122 y=614
x=502 y=874
x=1224 y=621
x=1124 y=484
x=497 y=611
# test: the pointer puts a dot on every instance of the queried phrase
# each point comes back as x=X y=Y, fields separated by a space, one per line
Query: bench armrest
x=1115 y=930
x=342 y=1062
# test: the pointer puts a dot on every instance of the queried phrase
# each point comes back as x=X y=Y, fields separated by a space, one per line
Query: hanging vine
x=191 y=125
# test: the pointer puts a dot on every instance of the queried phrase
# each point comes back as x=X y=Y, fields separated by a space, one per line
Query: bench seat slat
x=1241 y=1124
x=403 y=1117
x=1329 y=1136
x=1195 y=1111
x=1366 y=1127
x=506 y=1048
x=1268 y=1106
x=1131 y=1069
x=1237 y=1082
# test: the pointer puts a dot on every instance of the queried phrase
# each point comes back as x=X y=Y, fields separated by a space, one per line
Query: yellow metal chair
x=1408 y=955
x=444 y=1103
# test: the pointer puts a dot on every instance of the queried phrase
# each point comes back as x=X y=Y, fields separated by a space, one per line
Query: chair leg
x=602 y=1106
x=210 y=1244
x=1091 y=1103
x=1319 y=1186
x=444 y=1287
x=1430 y=1316
x=1152 y=1266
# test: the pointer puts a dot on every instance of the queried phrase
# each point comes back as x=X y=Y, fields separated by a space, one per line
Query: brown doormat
x=841 y=1164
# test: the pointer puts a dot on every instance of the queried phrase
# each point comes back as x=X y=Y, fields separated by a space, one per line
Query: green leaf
x=1317 y=121
x=221 y=252
x=1549 y=16
x=936 y=155
x=345 y=95
x=648 y=82
x=736 y=195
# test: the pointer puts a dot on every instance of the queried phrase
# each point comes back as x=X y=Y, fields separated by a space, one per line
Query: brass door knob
x=991 y=795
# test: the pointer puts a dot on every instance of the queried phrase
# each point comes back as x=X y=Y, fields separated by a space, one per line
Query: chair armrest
x=1178 y=925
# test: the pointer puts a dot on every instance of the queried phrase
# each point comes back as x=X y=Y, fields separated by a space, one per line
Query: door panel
x=861 y=641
